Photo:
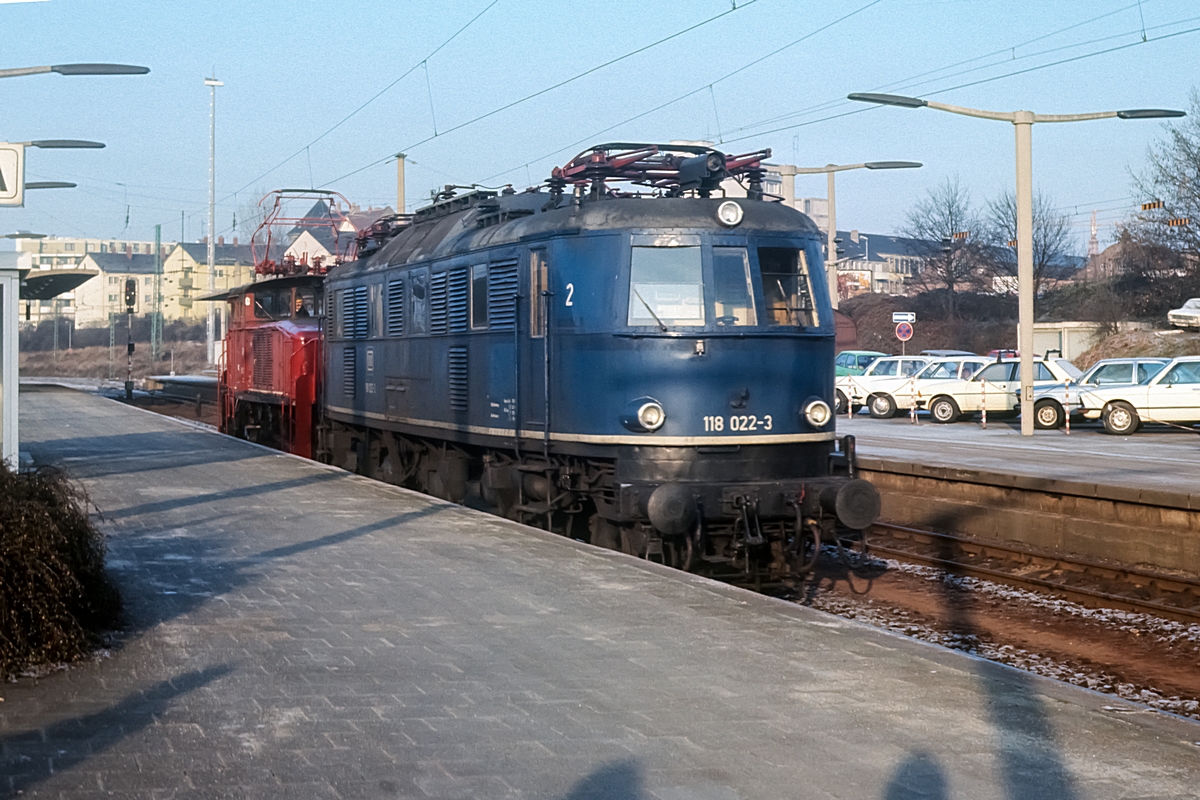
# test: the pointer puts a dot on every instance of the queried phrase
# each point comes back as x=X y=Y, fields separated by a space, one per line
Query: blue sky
x=294 y=69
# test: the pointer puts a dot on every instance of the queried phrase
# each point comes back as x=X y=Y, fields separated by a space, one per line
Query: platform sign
x=904 y=316
x=12 y=174
x=904 y=331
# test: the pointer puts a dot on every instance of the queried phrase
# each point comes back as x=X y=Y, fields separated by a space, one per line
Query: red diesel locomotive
x=270 y=373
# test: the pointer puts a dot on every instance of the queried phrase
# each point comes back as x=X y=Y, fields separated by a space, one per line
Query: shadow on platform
x=35 y=756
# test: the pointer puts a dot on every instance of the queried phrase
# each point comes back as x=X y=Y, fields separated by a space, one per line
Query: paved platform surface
x=298 y=632
x=1158 y=459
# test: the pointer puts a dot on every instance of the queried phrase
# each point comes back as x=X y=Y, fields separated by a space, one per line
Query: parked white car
x=1187 y=316
x=997 y=387
x=1052 y=405
x=889 y=396
x=856 y=388
x=1171 y=396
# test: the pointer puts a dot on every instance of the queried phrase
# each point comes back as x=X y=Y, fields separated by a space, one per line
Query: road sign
x=904 y=316
x=12 y=174
x=904 y=331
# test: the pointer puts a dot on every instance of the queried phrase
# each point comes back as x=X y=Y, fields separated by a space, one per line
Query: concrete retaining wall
x=1154 y=530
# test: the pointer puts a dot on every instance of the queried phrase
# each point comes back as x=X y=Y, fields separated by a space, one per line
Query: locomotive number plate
x=739 y=422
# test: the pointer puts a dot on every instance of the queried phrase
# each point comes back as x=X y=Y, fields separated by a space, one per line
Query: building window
x=69 y=247
x=112 y=298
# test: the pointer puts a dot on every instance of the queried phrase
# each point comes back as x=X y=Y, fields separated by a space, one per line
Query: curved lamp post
x=76 y=69
x=9 y=278
x=831 y=259
x=1023 y=122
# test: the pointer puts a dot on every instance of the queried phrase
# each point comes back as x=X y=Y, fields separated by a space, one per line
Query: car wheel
x=881 y=406
x=944 y=409
x=1048 y=415
x=1120 y=418
x=839 y=402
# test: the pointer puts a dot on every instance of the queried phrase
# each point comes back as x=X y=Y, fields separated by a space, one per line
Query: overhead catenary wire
x=551 y=88
x=708 y=86
x=373 y=97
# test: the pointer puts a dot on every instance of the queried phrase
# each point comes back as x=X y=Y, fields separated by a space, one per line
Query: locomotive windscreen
x=666 y=286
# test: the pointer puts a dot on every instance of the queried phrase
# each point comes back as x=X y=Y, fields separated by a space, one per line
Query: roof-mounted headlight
x=729 y=214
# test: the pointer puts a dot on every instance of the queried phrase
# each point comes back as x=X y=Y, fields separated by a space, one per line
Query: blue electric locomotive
x=651 y=371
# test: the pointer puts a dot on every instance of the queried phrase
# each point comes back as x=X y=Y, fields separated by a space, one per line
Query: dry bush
x=55 y=598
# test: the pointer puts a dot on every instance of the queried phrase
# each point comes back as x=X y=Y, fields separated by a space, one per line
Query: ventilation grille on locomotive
x=437 y=303
x=458 y=378
x=349 y=371
x=458 y=301
x=263 y=362
x=502 y=289
x=395 y=307
x=354 y=313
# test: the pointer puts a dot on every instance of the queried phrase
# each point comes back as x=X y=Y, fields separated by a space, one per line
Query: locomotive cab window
x=666 y=287
x=787 y=290
x=305 y=303
x=418 y=317
x=266 y=304
x=479 y=295
x=733 y=299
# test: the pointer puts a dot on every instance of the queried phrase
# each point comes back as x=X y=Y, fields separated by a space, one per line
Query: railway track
x=1089 y=583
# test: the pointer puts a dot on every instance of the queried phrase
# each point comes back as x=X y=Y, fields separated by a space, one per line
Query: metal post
x=156 y=321
x=9 y=294
x=112 y=345
x=1023 y=122
x=831 y=261
x=56 y=307
x=129 y=357
x=212 y=84
x=400 y=193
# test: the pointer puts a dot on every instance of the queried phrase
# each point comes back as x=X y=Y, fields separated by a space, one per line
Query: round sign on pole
x=904 y=331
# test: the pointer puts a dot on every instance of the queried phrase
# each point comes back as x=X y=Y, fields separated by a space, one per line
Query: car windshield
x=940 y=370
x=1193 y=304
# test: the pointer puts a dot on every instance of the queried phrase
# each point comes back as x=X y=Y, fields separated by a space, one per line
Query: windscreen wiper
x=651 y=310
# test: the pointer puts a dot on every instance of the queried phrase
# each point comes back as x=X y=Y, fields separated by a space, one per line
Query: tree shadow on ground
x=34 y=756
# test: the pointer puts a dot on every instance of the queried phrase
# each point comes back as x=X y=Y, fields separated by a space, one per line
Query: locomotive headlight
x=729 y=213
x=817 y=413
x=651 y=416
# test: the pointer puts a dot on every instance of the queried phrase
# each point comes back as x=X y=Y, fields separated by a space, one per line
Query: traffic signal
x=131 y=289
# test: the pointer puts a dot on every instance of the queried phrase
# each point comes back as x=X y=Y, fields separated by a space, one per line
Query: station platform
x=297 y=631
x=1157 y=465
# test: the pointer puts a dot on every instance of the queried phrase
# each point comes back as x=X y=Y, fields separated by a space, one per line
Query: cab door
x=533 y=401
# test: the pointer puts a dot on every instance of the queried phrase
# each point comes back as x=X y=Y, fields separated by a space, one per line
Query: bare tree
x=947 y=234
x=1172 y=178
x=1052 y=240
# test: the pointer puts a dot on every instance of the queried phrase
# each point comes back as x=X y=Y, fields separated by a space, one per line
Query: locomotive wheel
x=944 y=410
x=1048 y=415
x=881 y=406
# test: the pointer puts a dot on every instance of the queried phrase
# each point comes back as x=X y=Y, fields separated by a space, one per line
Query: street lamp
x=1023 y=123
x=212 y=84
x=10 y=278
x=76 y=69
x=830 y=169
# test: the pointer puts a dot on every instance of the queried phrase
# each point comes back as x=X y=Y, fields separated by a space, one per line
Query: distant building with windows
x=64 y=252
x=104 y=294
x=875 y=262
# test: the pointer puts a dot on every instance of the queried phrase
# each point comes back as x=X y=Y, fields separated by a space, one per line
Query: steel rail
x=1090 y=597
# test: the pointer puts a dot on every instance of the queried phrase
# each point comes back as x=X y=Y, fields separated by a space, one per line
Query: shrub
x=55 y=598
